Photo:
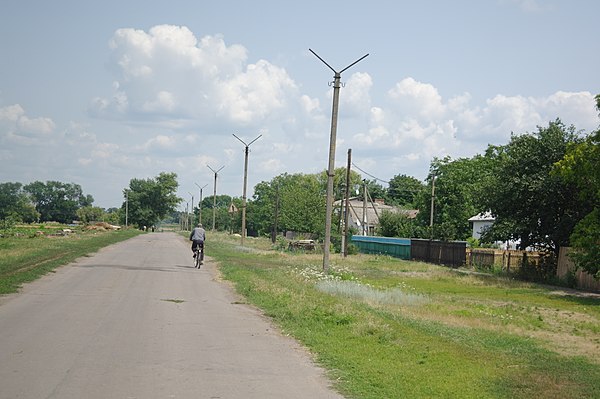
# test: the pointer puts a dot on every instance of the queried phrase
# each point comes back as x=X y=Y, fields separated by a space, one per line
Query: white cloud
x=167 y=74
x=16 y=125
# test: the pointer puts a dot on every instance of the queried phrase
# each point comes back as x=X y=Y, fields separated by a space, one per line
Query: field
x=29 y=251
x=387 y=328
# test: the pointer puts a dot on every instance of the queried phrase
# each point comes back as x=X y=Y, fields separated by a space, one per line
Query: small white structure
x=480 y=223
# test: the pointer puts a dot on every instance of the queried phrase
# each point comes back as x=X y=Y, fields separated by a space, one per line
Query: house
x=370 y=213
x=480 y=223
x=485 y=220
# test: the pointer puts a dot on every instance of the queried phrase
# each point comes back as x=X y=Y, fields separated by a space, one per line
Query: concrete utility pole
x=331 y=167
x=216 y=172
x=347 y=196
x=365 y=229
x=245 y=182
x=432 y=203
x=126 y=208
x=192 y=212
x=200 y=202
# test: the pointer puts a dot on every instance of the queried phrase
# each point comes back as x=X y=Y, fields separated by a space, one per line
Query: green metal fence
x=396 y=247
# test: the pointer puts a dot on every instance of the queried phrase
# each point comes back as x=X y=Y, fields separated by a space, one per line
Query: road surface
x=136 y=320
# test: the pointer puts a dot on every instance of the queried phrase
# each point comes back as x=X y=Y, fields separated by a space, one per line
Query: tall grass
x=386 y=328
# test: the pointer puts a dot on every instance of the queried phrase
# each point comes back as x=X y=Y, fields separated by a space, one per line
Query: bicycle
x=198 y=256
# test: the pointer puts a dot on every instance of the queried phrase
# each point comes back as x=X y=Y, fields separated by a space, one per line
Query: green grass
x=25 y=254
x=442 y=333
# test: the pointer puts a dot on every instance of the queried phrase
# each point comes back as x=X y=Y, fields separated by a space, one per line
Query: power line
x=370 y=175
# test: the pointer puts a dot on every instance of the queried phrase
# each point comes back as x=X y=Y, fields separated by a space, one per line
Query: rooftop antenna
x=216 y=172
x=331 y=167
x=245 y=182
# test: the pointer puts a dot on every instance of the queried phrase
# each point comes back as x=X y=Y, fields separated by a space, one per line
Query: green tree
x=224 y=220
x=403 y=190
x=458 y=187
x=581 y=166
x=397 y=224
x=531 y=204
x=15 y=204
x=339 y=182
x=56 y=201
x=88 y=214
x=300 y=203
x=150 y=200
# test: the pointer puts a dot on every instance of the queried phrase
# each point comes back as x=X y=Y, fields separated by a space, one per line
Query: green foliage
x=404 y=190
x=89 y=214
x=224 y=220
x=458 y=189
x=150 y=200
x=581 y=167
x=15 y=204
x=392 y=224
x=56 y=201
x=297 y=200
x=339 y=182
x=586 y=243
x=531 y=204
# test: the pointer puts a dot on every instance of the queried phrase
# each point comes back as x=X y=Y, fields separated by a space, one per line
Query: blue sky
x=97 y=93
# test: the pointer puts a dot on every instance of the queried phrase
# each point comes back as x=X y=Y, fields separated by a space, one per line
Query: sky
x=98 y=93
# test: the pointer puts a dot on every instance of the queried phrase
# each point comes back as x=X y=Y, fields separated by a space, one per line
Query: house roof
x=373 y=211
x=483 y=217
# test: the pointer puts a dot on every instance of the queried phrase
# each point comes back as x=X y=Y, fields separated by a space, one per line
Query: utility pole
x=216 y=172
x=200 y=202
x=192 y=213
x=274 y=233
x=432 y=203
x=245 y=182
x=365 y=228
x=331 y=166
x=126 y=207
x=347 y=196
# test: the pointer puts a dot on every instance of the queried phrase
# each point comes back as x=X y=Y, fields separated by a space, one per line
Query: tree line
x=542 y=187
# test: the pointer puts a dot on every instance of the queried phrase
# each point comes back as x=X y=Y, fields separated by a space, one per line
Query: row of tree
x=543 y=189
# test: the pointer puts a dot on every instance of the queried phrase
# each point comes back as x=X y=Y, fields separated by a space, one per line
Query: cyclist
x=197 y=238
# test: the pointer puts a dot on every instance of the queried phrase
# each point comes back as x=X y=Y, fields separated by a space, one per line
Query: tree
x=150 y=200
x=299 y=200
x=339 y=182
x=15 y=204
x=531 y=204
x=56 y=201
x=224 y=220
x=458 y=186
x=397 y=224
x=581 y=166
x=403 y=190
x=88 y=214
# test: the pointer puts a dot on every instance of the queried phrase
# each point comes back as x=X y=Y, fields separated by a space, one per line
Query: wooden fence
x=508 y=260
x=449 y=253
x=584 y=280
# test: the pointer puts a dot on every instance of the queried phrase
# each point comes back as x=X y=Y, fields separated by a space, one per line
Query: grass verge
x=26 y=256
x=386 y=328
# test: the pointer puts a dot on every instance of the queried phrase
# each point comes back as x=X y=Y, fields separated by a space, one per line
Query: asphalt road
x=136 y=320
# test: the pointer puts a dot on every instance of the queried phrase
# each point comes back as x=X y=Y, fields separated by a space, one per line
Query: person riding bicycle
x=197 y=238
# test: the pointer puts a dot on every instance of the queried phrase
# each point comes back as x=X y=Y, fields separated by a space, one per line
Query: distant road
x=136 y=320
